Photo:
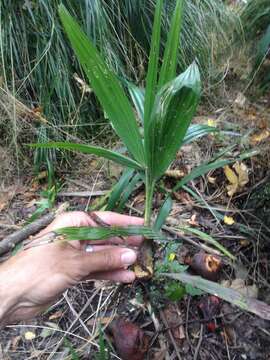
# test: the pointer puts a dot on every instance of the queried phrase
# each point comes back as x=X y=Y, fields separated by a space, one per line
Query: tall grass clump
x=255 y=18
x=38 y=65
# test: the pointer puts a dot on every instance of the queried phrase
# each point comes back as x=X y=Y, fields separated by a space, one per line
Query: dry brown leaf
x=257 y=138
x=174 y=318
x=84 y=87
x=56 y=315
x=228 y=220
x=240 y=286
x=183 y=197
x=211 y=179
x=240 y=100
x=175 y=174
x=15 y=342
x=237 y=178
x=101 y=320
x=6 y=196
x=192 y=221
x=244 y=242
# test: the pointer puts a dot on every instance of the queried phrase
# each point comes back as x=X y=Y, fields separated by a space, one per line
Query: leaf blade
x=168 y=69
x=137 y=96
x=151 y=78
x=102 y=233
x=106 y=86
x=118 y=189
x=234 y=297
x=94 y=150
x=175 y=105
x=196 y=131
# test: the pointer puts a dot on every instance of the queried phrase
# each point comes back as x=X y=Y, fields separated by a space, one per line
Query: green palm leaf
x=234 y=297
x=106 y=87
x=95 y=150
x=101 y=233
x=174 y=107
x=137 y=96
x=196 y=131
x=168 y=69
x=152 y=71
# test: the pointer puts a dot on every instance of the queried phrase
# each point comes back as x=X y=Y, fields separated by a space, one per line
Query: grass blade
x=168 y=69
x=94 y=150
x=254 y=306
x=106 y=87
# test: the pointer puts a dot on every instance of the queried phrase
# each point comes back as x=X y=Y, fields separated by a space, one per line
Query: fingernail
x=128 y=257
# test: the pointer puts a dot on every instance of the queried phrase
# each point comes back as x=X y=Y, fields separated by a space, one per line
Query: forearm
x=11 y=292
x=8 y=297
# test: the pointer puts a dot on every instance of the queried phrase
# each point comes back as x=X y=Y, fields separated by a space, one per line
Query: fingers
x=103 y=260
x=116 y=219
x=80 y=218
x=72 y=218
x=90 y=248
x=123 y=276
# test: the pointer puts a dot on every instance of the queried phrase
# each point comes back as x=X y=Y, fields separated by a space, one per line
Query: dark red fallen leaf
x=206 y=265
x=130 y=341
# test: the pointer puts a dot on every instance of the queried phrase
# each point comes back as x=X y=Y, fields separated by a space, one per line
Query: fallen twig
x=82 y=193
x=163 y=318
x=196 y=354
x=9 y=242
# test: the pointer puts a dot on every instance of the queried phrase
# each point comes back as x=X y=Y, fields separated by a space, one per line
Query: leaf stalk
x=149 y=193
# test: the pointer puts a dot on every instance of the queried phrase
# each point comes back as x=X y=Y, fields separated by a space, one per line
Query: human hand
x=32 y=279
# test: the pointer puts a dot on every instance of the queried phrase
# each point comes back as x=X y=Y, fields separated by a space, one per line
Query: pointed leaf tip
x=105 y=85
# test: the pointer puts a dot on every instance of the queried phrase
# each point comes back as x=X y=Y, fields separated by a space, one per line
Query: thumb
x=105 y=260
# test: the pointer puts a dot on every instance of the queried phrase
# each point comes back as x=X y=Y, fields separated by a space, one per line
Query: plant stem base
x=144 y=268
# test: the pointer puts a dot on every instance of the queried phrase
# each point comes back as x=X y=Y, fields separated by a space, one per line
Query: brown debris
x=173 y=318
x=206 y=265
x=130 y=341
x=209 y=308
x=175 y=174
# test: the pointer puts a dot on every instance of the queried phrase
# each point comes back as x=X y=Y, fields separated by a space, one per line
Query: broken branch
x=9 y=242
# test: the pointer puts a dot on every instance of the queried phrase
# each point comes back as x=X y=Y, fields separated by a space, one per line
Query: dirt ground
x=70 y=329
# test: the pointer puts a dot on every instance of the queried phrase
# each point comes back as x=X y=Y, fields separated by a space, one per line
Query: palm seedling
x=165 y=109
x=164 y=112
